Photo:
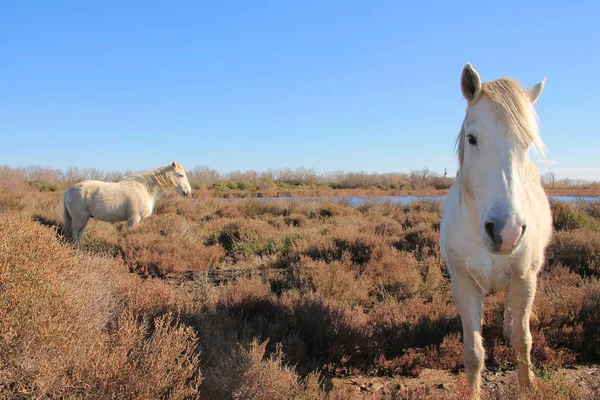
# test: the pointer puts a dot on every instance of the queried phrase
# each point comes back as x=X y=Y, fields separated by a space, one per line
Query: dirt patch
x=442 y=384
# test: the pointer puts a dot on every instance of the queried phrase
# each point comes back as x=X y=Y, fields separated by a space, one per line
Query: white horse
x=131 y=199
x=496 y=222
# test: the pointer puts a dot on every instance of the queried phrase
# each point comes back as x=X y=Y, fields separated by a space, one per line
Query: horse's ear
x=470 y=83
x=173 y=164
x=536 y=90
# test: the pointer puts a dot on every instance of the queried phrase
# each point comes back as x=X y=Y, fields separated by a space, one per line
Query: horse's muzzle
x=503 y=237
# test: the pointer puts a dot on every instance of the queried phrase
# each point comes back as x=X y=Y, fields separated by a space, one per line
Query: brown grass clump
x=579 y=249
x=395 y=275
x=269 y=378
x=65 y=330
x=168 y=243
x=402 y=327
x=141 y=361
x=38 y=337
x=250 y=208
x=568 y=216
x=339 y=281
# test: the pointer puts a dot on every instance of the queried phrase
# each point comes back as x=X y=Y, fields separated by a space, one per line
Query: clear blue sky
x=330 y=85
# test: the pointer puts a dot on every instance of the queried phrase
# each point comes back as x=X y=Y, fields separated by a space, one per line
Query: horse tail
x=67 y=218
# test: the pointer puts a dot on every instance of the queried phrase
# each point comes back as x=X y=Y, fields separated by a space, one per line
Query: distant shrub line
x=49 y=180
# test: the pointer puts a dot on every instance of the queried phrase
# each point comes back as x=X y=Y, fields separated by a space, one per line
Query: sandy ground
x=444 y=382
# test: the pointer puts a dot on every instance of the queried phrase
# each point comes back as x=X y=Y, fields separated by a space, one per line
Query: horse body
x=496 y=221
x=131 y=199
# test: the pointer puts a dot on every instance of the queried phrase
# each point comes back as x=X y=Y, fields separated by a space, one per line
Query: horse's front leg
x=469 y=302
x=507 y=328
x=520 y=299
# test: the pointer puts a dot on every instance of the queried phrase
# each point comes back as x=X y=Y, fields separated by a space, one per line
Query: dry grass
x=254 y=299
x=78 y=325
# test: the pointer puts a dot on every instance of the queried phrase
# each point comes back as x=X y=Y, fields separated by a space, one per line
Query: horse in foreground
x=496 y=221
x=131 y=199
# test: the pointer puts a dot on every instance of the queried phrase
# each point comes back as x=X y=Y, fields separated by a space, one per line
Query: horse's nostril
x=489 y=229
x=523 y=229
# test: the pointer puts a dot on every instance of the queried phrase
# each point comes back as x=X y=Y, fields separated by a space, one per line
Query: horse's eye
x=472 y=140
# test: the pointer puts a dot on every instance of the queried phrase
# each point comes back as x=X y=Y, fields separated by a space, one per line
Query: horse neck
x=154 y=189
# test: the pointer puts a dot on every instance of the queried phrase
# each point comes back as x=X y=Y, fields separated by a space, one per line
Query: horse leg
x=77 y=228
x=133 y=220
x=508 y=319
x=469 y=302
x=520 y=300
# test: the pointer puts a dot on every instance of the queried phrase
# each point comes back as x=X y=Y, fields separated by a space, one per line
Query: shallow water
x=574 y=199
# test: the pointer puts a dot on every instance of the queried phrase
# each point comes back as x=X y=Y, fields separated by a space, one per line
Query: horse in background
x=132 y=199
x=496 y=220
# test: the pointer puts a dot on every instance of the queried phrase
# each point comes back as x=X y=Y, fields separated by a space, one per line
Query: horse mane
x=514 y=108
x=163 y=177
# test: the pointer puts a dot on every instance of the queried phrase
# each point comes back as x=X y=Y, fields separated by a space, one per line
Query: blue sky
x=330 y=85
